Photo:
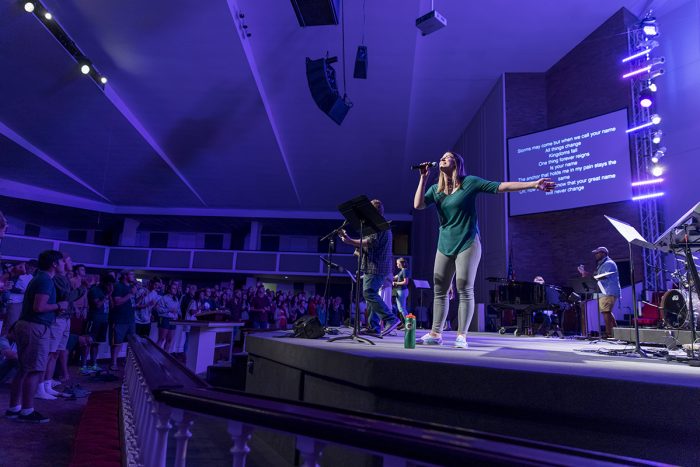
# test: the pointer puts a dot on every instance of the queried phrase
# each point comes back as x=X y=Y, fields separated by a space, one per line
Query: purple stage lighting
x=645 y=98
x=656 y=136
x=637 y=72
x=639 y=127
x=651 y=181
x=647 y=69
x=650 y=195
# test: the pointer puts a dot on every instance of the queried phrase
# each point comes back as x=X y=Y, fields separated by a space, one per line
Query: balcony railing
x=174 y=259
x=159 y=395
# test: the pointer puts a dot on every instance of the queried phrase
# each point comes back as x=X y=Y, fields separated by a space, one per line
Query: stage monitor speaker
x=361 y=63
x=308 y=327
x=324 y=88
x=316 y=12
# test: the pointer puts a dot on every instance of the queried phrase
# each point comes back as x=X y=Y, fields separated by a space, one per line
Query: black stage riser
x=638 y=419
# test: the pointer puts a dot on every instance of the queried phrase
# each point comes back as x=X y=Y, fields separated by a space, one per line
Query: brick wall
x=583 y=84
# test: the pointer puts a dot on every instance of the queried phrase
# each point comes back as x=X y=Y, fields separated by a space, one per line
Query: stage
x=553 y=390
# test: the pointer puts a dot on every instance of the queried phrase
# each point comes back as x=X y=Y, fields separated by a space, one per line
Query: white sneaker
x=461 y=342
x=49 y=390
x=42 y=394
x=427 y=339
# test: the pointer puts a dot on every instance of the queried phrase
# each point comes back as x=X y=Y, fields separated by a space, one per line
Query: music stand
x=365 y=219
x=631 y=236
x=421 y=311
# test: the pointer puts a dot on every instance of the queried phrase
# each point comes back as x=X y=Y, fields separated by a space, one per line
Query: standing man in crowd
x=33 y=336
x=99 y=298
x=122 y=320
x=377 y=269
x=20 y=280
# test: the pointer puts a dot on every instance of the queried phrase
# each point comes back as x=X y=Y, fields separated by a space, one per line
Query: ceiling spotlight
x=655 y=119
x=661 y=152
x=645 y=98
x=85 y=69
x=29 y=7
x=657 y=171
x=649 y=26
x=652 y=87
x=656 y=136
x=103 y=80
x=48 y=16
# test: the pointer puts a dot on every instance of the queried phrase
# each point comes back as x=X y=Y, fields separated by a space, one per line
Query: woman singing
x=459 y=248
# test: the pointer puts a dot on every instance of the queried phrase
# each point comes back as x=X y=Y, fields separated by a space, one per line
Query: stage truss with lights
x=646 y=140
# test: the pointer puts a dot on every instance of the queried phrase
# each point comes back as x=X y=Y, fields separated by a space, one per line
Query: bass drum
x=674 y=309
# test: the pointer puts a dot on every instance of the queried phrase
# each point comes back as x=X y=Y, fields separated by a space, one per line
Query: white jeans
x=465 y=265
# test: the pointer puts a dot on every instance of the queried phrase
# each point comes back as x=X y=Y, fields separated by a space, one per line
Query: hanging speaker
x=324 y=88
x=316 y=12
x=361 y=63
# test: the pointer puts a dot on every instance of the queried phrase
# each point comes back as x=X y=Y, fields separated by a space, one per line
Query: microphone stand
x=331 y=247
x=691 y=276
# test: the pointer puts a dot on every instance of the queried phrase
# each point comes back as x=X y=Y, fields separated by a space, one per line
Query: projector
x=431 y=22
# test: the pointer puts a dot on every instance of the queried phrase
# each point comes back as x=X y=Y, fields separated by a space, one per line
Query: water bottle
x=409 y=337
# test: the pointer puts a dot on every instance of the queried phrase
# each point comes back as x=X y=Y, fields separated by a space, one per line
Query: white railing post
x=148 y=439
x=162 y=416
x=183 y=422
x=240 y=434
x=311 y=451
x=129 y=416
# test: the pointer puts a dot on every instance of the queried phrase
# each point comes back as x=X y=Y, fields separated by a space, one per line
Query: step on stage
x=552 y=390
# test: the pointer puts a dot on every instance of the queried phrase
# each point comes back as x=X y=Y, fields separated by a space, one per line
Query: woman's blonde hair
x=402 y=262
x=457 y=176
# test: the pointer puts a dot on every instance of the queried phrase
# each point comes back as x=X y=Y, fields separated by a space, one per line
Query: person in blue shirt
x=609 y=286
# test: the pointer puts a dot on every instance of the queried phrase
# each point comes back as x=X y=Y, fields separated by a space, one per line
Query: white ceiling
x=197 y=118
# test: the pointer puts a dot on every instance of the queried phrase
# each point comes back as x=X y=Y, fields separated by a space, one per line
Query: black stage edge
x=529 y=387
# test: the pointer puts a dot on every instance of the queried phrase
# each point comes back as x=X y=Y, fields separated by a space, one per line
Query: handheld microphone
x=424 y=164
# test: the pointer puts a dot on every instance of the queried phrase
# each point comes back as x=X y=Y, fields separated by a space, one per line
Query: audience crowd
x=52 y=309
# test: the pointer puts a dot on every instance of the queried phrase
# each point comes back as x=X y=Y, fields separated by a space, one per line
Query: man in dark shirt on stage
x=377 y=268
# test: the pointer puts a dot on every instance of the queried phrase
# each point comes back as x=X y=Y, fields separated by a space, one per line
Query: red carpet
x=97 y=441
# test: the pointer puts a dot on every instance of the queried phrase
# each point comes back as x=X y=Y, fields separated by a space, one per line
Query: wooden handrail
x=405 y=438
x=160 y=369
x=173 y=384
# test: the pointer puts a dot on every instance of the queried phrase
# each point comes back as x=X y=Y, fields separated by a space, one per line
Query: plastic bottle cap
x=410 y=315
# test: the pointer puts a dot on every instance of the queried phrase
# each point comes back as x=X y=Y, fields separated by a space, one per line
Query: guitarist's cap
x=601 y=249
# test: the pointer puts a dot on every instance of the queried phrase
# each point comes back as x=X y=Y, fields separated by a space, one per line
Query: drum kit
x=674 y=309
x=682 y=240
